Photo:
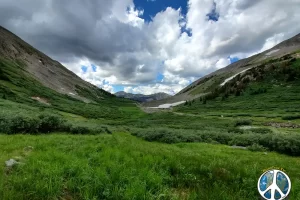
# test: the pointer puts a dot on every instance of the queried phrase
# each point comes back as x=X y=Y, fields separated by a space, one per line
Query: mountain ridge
x=211 y=81
x=29 y=77
x=142 y=97
x=47 y=71
x=289 y=45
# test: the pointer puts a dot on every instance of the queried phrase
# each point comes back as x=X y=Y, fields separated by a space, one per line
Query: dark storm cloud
x=73 y=29
x=260 y=22
x=245 y=4
x=101 y=42
x=128 y=51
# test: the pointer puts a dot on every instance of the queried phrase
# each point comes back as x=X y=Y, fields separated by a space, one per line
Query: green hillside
x=287 y=49
x=17 y=85
x=270 y=89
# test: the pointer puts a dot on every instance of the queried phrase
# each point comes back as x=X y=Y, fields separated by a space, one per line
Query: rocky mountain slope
x=219 y=78
x=46 y=71
x=142 y=97
x=30 y=78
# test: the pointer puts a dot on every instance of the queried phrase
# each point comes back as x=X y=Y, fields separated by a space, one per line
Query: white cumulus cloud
x=126 y=50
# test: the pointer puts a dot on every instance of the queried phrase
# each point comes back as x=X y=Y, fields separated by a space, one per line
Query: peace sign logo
x=274 y=185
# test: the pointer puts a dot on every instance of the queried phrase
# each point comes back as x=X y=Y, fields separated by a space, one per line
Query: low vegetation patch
x=236 y=130
x=261 y=130
x=243 y=122
x=287 y=144
x=181 y=135
x=256 y=147
x=44 y=123
x=291 y=117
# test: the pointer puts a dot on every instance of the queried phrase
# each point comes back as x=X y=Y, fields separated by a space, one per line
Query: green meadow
x=121 y=166
x=208 y=148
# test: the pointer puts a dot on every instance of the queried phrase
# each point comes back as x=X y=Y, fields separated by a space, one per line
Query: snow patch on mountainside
x=41 y=100
x=271 y=52
x=232 y=77
x=169 y=105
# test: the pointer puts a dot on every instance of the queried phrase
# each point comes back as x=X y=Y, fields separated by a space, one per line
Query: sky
x=150 y=46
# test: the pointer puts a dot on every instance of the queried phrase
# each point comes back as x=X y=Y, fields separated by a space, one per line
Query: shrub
x=99 y=130
x=291 y=117
x=243 y=122
x=287 y=144
x=80 y=130
x=222 y=138
x=160 y=135
x=50 y=123
x=256 y=147
x=65 y=127
x=261 y=130
x=174 y=136
x=18 y=124
x=257 y=91
x=106 y=130
x=244 y=114
x=42 y=124
x=2 y=124
x=236 y=130
x=238 y=93
x=244 y=139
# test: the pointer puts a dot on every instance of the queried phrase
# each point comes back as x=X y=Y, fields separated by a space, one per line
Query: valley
x=210 y=141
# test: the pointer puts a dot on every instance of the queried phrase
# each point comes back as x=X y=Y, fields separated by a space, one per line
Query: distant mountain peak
x=142 y=97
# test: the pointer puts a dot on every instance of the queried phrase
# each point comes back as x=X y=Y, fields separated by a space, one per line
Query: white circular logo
x=274 y=185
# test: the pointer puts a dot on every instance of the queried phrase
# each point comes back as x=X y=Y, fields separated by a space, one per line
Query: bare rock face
x=29 y=148
x=238 y=147
x=282 y=125
x=11 y=163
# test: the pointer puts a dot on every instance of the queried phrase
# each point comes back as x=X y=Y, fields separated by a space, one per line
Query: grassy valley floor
x=76 y=141
x=110 y=149
x=121 y=166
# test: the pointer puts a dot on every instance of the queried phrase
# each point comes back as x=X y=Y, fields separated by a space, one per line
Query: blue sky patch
x=84 y=68
x=152 y=7
x=159 y=77
x=118 y=88
x=94 y=68
x=213 y=15
x=188 y=31
x=233 y=59
x=105 y=82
